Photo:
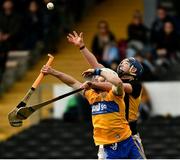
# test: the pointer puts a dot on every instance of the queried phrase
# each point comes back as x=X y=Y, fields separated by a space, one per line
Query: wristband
x=97 y=72
x=81 y=48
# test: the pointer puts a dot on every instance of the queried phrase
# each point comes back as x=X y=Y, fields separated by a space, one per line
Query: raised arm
x=78 y=41
x=65 y=78
x=107 y=86
x=110 y=76
x=91 y=59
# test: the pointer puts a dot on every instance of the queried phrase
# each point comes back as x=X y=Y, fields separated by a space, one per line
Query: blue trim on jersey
x=104 y=107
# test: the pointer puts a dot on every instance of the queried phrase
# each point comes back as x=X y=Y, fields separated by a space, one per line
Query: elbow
x=120 y=84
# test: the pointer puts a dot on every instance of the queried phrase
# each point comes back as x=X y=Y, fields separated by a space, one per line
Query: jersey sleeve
x=136 y=89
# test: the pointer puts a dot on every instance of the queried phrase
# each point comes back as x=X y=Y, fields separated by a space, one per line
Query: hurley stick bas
x=24 y=112
x=13 y=120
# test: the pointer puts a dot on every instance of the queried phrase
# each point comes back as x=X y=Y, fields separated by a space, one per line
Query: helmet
x=133 y=64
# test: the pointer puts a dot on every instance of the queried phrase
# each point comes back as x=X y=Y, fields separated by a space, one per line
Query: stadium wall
x=165 y=98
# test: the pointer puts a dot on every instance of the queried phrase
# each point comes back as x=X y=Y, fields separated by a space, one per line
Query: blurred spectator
x=77 y=9
x=101 y=39
x=66 y=14
x=137 y=35
x=114 y=65
x=110 y=54
x=149 y=73
x=10 y=25
x=9 y=32
x=3 y=59
x=137 y=30
x=33 y=25
x=51 y=26
x=122 y=45
x=21 y=5
x=158 y=24
x=167 y=43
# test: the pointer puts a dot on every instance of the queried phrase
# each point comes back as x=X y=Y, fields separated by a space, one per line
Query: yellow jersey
x=132 y=101
x=108 y=117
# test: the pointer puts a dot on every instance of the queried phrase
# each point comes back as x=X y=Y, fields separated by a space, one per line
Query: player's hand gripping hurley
x=13 y=119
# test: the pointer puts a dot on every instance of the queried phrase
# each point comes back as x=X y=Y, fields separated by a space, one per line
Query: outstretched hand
x=88 y=73
x=76 y=39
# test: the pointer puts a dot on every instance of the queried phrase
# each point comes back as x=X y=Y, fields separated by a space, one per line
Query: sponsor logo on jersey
x=104 y=107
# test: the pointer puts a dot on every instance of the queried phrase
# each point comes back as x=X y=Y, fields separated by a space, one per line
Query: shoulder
x=89 y=93
x=136 y=88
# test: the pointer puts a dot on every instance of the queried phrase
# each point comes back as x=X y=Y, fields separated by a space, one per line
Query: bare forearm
x=111 y=77
x=65 y=78
x=104 y=86
x=117 y=84
x=91 y=59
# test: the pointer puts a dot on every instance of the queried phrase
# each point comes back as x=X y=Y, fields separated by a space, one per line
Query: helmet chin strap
x=122 y=73
x=126 y=76
x=132 y=70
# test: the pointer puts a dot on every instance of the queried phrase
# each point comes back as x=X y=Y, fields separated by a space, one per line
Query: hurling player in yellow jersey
x=111 y=128
x=129 y=70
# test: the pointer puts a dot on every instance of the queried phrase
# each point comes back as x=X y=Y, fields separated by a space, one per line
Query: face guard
x=135 y=69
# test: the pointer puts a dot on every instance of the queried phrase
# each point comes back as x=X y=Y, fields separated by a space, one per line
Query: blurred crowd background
x=28 y=25
x=157 y=47
x=28 y=31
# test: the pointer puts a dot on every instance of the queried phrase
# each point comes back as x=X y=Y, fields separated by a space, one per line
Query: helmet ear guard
x=132 y=71
x=135 y=67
